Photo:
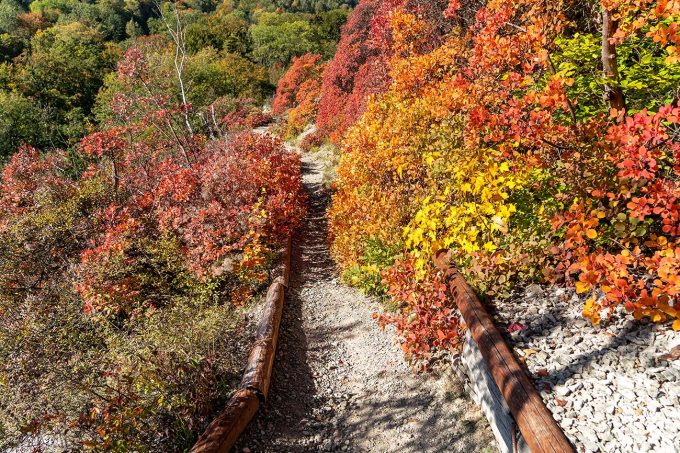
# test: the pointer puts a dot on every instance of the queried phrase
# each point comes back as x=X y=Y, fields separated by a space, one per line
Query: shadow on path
x=293 y=397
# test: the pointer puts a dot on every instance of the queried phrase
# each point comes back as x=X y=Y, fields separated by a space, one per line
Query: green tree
x=67 y=66
x=22 y=122
x=133 y=29
x=10 y=46
x=214 y=76
x=8 y=15
x=277 y=42
x=221 y=31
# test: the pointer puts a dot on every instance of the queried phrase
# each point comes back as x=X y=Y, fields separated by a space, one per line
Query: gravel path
x=340 y=383
x=612 y=388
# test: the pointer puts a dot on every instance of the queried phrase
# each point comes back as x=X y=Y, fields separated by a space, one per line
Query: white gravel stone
x=619 y=395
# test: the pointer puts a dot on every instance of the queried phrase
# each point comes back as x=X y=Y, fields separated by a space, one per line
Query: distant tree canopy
x=58 y=56
x=67 y=65
x=23 y=121
x=278 y=37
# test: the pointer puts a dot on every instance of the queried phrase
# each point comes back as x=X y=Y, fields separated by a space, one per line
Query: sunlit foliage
x=508 y=144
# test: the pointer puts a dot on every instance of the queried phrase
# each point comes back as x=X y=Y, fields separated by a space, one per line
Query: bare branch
x=177 y=32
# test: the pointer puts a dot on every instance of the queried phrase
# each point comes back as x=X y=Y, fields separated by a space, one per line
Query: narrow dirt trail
x=340 y=383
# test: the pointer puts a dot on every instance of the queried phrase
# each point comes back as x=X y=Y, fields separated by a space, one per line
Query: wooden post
x=537 y=425
x=224 y=431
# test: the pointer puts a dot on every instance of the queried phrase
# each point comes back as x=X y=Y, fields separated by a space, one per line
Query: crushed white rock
x=609 y=387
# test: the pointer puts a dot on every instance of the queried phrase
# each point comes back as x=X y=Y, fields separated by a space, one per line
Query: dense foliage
x=139 y=215
x=297 y=94
x=537 y=140
x=360 y=65
x=55 y=55
x=163 y=232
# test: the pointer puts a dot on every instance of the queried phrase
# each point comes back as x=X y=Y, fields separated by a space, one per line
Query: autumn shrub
x=107 y=273
x=426 y=319
x=366 y=274
x=241 y=115
x=305 y=110
x=301 y=70
x=297 y=95
x=124 y=283
x=506 y=144
x=311 y=141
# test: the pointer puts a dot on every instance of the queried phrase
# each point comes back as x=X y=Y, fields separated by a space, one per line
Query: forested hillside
x=139 y=215
x=536 y=140
x=55 y=56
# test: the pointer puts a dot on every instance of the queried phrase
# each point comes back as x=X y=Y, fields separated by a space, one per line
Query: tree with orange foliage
x=503 y=146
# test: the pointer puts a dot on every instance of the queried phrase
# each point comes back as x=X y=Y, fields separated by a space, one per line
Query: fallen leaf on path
x=516 y=327
x=674 y=354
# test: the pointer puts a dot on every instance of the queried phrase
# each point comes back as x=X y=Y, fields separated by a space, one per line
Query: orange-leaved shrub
x=301 y=70
x=506 y=145
x=297 y=94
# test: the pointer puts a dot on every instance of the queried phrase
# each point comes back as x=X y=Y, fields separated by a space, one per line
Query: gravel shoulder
x=612 y=388
x=340 y=383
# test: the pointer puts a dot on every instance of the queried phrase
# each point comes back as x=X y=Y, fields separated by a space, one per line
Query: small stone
x=605 y=435
x=589 y=439
x=562 y=391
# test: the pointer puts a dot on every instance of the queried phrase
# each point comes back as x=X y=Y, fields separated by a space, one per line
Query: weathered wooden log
x=537 y=425
x=257 y=375
x=223 y=432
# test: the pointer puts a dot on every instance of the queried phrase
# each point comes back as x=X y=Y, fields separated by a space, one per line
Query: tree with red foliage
x=360 y=67
x=301 y=70
x=345 y=81
x=242 y=115
x=298 y=94
x=240 y=197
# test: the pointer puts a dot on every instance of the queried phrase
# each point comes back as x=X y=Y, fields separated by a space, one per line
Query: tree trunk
x=115 y=177
x=612 y=91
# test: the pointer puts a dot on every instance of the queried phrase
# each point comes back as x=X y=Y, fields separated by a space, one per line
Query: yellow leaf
x=582 y=287
x=676 y=325
x=658 y=317
x=592 y=234
x=490 y=246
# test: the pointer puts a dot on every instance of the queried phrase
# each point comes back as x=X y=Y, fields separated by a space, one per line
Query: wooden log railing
x=535 y=422
x=225 y=429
